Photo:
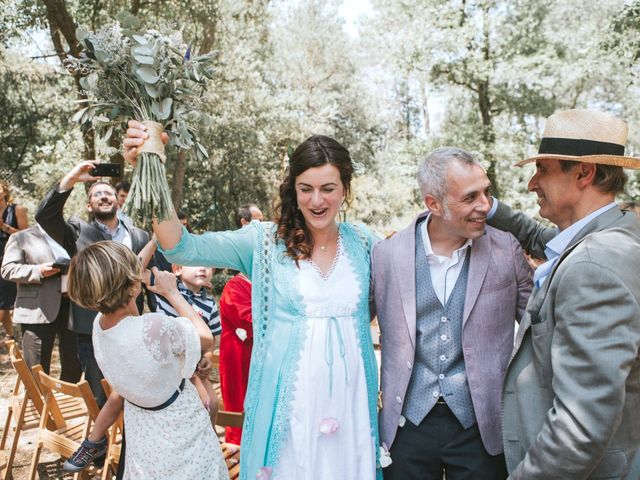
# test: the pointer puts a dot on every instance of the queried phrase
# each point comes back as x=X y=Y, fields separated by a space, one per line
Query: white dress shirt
x=444 y=270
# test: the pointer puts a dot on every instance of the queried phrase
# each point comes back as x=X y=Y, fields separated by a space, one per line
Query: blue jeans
x=92 y=372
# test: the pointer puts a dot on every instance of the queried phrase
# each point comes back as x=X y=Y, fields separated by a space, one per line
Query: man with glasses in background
x=76 y=234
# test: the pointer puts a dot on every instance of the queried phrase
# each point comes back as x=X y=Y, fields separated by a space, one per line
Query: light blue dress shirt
x=119 y=235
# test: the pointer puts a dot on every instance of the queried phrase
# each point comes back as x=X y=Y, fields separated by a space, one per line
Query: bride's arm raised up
x=167 y=232
x=231 y=249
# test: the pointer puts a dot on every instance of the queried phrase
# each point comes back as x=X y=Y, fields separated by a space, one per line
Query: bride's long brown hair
x=315 y=151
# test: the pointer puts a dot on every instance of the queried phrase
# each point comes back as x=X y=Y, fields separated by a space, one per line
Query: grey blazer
x=38 y=298
x=572 y=389
x=498 y=287
x=75 y=234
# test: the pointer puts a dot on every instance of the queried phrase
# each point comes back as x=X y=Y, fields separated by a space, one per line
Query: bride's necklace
x=324 y=248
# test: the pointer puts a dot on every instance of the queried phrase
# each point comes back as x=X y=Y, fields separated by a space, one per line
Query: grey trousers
x=38 y=340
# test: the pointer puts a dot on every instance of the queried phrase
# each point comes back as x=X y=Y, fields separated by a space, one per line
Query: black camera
x=62 y=264
x=107 y=170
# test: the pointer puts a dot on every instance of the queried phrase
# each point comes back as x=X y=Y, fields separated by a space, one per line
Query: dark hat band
x=578 y=147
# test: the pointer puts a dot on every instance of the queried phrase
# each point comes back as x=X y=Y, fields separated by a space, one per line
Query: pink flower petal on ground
x=264 y=473
x=329 y=425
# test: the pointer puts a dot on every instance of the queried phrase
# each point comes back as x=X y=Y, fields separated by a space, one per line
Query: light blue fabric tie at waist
x=328 y=352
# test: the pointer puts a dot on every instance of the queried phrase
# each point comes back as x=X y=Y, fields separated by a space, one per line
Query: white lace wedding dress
x=144 y=359
x=330 y=432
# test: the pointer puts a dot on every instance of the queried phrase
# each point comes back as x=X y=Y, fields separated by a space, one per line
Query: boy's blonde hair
x=103 y=275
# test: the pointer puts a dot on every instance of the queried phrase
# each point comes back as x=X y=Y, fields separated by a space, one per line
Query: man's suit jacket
x=498 y=287
x=75 y=235
x=572 y=388
x=38 y=298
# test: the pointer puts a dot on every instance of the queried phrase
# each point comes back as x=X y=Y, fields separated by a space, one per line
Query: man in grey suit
x=76 y=234
x=41 y=309
x=448 y=290
x=572 y=389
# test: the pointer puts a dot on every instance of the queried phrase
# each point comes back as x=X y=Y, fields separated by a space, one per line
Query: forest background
x=401 y=79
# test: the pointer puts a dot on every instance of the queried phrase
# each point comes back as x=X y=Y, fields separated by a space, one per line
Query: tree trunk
x=208 y=36
x=62 y=26
x=135 y=7
x=115 y=141
x=426 y=121
x=177 y=188
x=488 y=133
x=484 y=104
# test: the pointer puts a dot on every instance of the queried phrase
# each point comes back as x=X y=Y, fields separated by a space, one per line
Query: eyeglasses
x=103 y=193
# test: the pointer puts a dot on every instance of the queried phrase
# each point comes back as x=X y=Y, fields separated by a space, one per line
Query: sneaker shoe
x=89 y=452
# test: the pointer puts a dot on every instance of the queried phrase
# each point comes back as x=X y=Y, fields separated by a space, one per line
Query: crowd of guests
x=36 y=262
x=464 y=393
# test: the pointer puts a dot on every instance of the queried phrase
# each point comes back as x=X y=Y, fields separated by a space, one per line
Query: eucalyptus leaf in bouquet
x=150 y=75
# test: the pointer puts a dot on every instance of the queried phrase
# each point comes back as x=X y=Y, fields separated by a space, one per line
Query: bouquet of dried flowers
x=149 y=75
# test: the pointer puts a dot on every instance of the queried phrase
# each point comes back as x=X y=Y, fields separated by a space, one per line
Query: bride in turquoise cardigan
x=310 y=409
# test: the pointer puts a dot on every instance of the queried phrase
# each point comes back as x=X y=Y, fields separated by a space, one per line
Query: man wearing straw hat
x=571 y=394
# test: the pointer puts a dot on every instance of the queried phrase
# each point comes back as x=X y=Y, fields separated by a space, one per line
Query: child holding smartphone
x=146 y=358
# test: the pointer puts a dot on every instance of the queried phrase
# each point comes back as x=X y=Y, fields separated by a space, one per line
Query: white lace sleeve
x=167 y=337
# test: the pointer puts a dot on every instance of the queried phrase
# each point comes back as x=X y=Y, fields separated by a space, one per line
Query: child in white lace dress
x=146 y=359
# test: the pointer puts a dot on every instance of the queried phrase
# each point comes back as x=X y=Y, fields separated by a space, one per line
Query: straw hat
x=585 y=136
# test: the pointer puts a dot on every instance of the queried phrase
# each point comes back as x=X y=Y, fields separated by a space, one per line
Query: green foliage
x=34 y=129
x=149 y=75
x=144 y=74
x=624 y=34
x=483 y=75
x=18 y=17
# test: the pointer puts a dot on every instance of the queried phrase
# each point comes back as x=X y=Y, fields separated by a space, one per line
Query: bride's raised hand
x=134 y=138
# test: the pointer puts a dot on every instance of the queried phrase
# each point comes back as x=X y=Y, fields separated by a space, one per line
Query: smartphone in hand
x=107 y=170
x=61 y=264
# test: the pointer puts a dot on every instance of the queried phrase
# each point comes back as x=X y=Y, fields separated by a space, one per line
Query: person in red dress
x=236 y=340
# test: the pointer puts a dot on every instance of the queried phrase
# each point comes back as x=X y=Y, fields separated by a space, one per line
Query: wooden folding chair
x=26 y=404
x=225 y=418
x=65 y=437
x=3 y=462
x=231 y=453
x=215 y=361
x=215 y=377
x=112 y=458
